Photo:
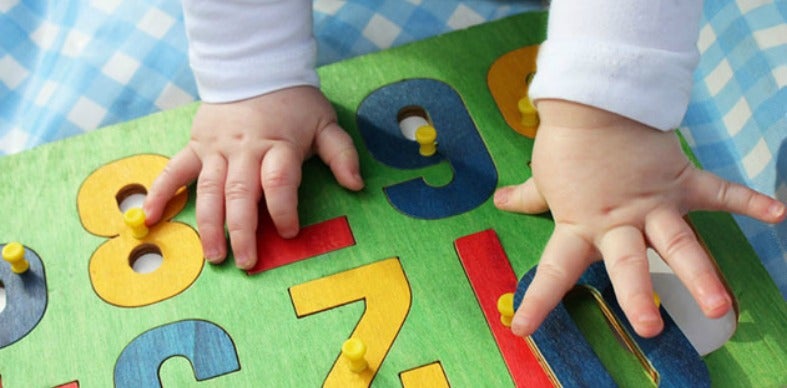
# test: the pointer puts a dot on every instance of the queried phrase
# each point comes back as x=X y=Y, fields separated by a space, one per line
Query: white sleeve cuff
x=245 y=48
x=636 y=61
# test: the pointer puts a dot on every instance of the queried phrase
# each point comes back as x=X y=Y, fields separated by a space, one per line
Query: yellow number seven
x=386 y=291
x=111 y=273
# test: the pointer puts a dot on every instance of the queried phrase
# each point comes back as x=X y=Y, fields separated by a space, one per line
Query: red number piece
x=274 y=251
x=490 y=274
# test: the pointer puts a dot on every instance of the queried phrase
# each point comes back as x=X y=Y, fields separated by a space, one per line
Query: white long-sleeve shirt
x=244 y=48
x=633 y=57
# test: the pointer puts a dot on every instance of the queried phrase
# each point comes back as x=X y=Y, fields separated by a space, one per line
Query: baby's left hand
x=615 y=186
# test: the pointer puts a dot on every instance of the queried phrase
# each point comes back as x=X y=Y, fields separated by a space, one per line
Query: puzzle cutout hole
x=606 y=340
x=145 y=258
x=2 y=297
x=131 y=196
x=410 y=118
x=705 y=334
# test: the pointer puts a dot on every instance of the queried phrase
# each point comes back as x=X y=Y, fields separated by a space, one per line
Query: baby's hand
x=242 y=150
x=615 y=186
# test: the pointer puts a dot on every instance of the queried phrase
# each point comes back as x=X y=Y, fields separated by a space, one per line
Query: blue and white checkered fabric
x=350 y=28
x=70 y=67
x=737 y=120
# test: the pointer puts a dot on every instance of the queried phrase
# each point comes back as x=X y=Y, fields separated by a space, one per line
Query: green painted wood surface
x=80 y=336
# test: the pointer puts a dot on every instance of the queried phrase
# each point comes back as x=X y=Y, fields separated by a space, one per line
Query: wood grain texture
x=430 y=375
x=83 y=336
x=489 y=271
x=459 y=144
x=72 y=384
x=274 y=251
x=669 y=358
x=111 y=274
x=26 y=298
x=207 y=347
x=385 y=292
x=508 y=83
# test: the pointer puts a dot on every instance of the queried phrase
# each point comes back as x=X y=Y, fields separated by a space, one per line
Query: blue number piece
x=207 y=346
x=458 y=142
x=572 y=359
x=26 y=299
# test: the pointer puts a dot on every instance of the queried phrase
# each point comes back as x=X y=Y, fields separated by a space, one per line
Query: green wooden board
x=80 y=337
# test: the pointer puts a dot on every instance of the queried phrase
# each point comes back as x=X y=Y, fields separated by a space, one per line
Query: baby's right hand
x=241 y=150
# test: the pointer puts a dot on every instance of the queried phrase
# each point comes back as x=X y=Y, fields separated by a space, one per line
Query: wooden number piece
x=274 y=251
x=111 y=273
x=71 y=384
x=384 y=288
x=489 y=271
x=705 y=334
x=674 y=362
x=429 y=375
x=207 y=346
x=26 y=297
x=508 y=82
x=458 y=143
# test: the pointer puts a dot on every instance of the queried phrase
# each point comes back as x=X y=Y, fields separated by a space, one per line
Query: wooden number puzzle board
x=413 y=269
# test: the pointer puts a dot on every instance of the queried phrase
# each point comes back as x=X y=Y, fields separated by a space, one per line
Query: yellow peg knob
x=426 y=136
x=135 y=219
x=505 y=305
x=528 y=112
x=354 y=350
x=657 y=299
x=14 y=254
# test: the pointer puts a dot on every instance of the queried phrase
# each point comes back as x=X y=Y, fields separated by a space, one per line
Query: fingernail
x=358 y=180
x=289 y=233
x=147 y=216
x=521 y=326
x=777 y=209
x=211 y=256
x=501 y=197
x=242 y=262
x=715 y=301
x=648 y=318
x=648 y=324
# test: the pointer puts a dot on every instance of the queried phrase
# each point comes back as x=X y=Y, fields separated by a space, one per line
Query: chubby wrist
x=569 y=114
